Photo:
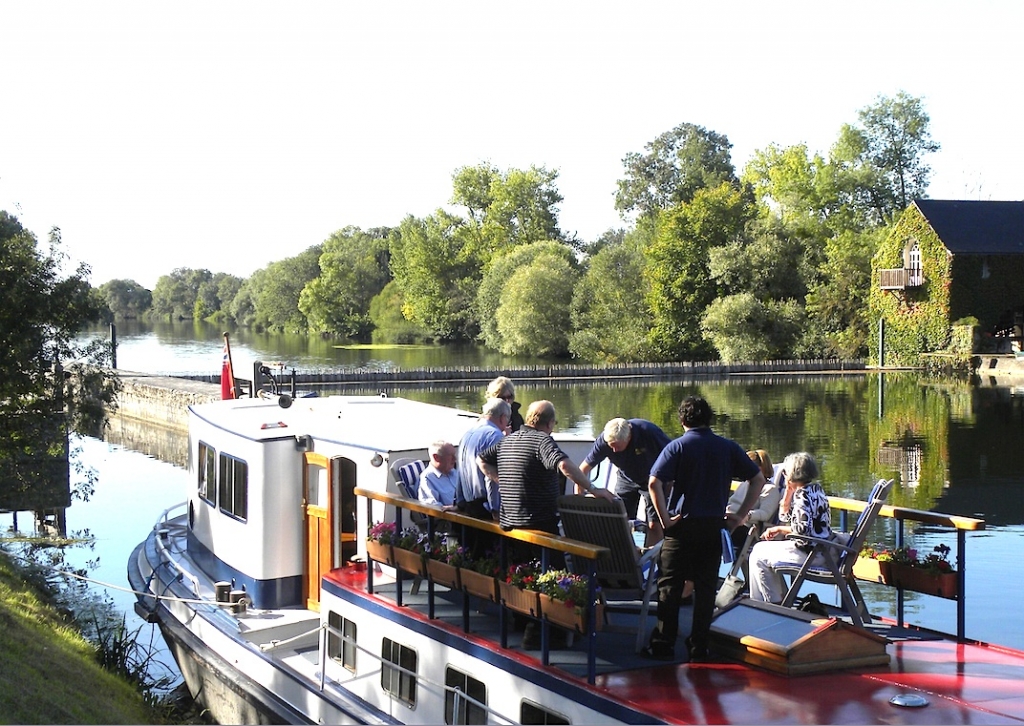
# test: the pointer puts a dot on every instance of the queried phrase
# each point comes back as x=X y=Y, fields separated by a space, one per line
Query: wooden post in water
x=113 y=346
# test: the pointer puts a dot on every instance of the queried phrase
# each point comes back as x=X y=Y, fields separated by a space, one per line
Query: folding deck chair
x=627 y=576
x=831 y=563
x=406 y=473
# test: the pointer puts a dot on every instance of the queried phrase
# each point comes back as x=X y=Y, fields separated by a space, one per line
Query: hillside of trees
x=772 y=261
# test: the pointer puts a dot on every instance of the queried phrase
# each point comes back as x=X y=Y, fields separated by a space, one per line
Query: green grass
x=49 y=673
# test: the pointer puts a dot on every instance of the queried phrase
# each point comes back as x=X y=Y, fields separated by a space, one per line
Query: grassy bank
x=49 y=673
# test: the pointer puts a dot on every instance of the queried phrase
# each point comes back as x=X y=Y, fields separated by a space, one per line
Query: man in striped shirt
x=528 y=466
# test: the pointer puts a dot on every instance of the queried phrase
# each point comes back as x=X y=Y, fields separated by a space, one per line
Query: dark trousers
x=692 y=550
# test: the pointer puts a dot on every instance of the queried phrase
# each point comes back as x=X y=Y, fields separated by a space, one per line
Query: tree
x=677 y=164
x=886 y=155
x=42 y=309
x=275 y=296
x=609 y=314
x=353 y=270
x=507 y=209
x=126 y=299
x=492 y=290
x=389 y=324
x=433 y=264
x=744 y=327
x=677 y=268
x=533 y=318
x=175 y=295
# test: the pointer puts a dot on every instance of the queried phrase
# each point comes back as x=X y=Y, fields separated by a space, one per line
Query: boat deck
x=963 y=683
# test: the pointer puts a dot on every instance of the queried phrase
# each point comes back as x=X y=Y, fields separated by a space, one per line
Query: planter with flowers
x=563 y=600
x=519 y=588
x=902 y=567
x=479 y=577
x=409 y=550
x=445 y=558
x=379 y=542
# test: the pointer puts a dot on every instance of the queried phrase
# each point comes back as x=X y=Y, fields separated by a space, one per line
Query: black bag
x=811 y=604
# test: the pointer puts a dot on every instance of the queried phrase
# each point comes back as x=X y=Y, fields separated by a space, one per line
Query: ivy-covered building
x=946 y=264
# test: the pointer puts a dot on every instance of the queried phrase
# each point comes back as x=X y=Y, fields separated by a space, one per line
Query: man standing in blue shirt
x=633 y=446
x=690 y=486
x=478 y=495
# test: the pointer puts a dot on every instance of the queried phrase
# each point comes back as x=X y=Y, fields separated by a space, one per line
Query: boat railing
x=903 y=515
x=162 y=527
x=551 y=546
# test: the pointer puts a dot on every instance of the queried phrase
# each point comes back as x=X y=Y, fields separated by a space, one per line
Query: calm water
x=952 y=447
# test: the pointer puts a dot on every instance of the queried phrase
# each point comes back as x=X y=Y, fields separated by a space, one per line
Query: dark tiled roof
x=976 y=228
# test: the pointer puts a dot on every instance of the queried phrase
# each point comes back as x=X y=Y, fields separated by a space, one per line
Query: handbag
x=733 y=585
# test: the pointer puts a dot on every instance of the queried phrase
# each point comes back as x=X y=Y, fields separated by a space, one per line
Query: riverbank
x=51 y=674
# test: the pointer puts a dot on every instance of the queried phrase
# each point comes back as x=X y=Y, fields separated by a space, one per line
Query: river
x=953 y=446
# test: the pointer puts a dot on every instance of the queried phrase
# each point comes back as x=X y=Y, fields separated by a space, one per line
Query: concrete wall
x=162 y=400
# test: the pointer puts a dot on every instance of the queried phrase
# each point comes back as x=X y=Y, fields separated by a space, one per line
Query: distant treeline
x=773 y=262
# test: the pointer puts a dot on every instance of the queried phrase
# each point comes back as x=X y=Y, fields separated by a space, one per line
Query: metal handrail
x=163 y=523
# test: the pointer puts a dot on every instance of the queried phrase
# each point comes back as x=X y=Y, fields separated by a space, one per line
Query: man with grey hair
x=440 y=480
x=477 y=495
x=633 y=446
x=528 y=466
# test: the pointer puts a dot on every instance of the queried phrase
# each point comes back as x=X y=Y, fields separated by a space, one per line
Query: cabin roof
x=372 y=422
x=976 y=227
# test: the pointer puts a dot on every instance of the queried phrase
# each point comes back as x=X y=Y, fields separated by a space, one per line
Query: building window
x=207 y=473
x=341 y=640
x=531 y=713
x=233 y=486
x=460 y=688
x=915 y=272
x=398 y=671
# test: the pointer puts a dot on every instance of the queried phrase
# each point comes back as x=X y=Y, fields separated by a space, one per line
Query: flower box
x=444 y=574
x=573 y=618
x=476 y=583
x=523 y=601
x=917 y=579
x=944 y=585
x=409 y=561
x=871 y=570
x=379 y=552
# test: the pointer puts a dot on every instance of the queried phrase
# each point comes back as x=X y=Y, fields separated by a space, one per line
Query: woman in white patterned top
x=804 y=510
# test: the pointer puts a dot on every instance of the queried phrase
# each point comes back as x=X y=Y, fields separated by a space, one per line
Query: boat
x=276 y=610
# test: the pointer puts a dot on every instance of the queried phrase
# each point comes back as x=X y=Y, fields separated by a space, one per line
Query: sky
x=229 y=135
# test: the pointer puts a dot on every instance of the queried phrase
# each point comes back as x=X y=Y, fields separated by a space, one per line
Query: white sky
x=227 y=135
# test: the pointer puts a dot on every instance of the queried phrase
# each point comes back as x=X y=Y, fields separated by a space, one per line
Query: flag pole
x=230 y=366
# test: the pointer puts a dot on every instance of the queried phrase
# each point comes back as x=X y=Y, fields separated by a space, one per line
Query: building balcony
x=900 y=279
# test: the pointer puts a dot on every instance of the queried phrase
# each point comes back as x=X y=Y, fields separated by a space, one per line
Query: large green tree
x=43 y=307
x=353 y=270
x=175 y=295
x=533 y=317
x=610 y=316
x=275 y=294
x=125 y=299
x=506 y=208
x=433 y=264
x=673 y=168
x=885 y=155
x=678 y=268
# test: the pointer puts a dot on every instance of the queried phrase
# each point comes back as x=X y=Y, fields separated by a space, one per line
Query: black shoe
x=697 y=653
x=658 y=653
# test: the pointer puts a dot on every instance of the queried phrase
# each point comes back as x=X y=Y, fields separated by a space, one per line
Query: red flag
x=227 y=374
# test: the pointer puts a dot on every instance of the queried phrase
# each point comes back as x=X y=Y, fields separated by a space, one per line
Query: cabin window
x=341 y=640
x=207 y=473
x=233 y=486
x=465 y=698
x=531 y=713
x=398 y=671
